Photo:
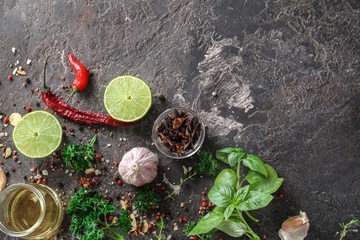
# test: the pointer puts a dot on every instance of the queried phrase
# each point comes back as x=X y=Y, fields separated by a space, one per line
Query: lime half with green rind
x=127 y=98
x=38 y=134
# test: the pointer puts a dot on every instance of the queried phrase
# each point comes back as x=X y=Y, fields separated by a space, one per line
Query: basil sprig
x=232 y=199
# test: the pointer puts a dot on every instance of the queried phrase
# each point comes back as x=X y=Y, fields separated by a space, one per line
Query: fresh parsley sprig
x=124 y=221
x=208 y=166
x=145 y=199
x=79 y=157
x=89 y=212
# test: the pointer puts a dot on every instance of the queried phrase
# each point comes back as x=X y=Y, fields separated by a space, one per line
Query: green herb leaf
x=79 y=157
x=227 y=177
x=241 y=194
x=253 y=176
x=235 y=157
x=221 y=194
x=208 y=166
x=255 y=164
x=190 y=226
x=254 y=200
x=88 y=209
x=124 y=221
x=219 y=209
x=228 y=211
x=232 y=227
x=146 y=198
x=223 y=154
x=207 y=223
x=267 y=185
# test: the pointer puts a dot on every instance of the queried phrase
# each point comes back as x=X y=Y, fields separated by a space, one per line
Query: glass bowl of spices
x=178 y=133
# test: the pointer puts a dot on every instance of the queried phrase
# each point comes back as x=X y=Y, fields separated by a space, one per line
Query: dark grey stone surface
x=286 y=74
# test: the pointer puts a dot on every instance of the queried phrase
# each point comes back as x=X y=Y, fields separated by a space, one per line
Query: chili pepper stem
x=44 y=88
x=93 y=141
x=75 y=90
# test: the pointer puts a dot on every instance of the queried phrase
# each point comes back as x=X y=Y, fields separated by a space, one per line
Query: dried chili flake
x=87 y=181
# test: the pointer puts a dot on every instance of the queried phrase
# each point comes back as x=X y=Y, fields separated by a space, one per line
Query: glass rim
x=197 y=144
x=42 y=210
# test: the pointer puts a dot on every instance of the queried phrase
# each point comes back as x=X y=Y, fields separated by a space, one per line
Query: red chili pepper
x=82 y=76
x=60 y=107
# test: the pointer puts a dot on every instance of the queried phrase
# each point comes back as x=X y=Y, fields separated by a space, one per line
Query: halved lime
x=127 y=98
x=38 y=134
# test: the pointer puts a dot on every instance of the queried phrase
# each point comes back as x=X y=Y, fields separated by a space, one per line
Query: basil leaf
x=234 y=157
x=241 y=194
x=221 y=195
x=227 y=177
x=223 y=154
x=253 y=176
x=219 y=209
x=267 y=185
x=232 y=227
x=255 y=200
x=271 y=171
x=255 y=164
x=228 y=211
x=207 y=223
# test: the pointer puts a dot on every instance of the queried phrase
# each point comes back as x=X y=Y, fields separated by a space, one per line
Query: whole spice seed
x=8 y=152
x=178 y=132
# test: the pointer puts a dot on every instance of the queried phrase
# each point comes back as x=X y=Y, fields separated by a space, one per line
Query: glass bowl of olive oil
x=30 y=211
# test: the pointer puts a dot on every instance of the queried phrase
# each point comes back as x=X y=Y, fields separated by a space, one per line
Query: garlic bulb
x=295 y=228
x=138 y=166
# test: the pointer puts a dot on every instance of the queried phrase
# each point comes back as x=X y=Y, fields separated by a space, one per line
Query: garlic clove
x=2 y=179
x=295 y=228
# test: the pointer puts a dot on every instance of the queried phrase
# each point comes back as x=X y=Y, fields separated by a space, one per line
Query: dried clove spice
x=178 y=132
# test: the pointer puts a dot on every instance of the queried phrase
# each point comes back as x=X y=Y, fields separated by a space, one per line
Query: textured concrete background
x=286 y=74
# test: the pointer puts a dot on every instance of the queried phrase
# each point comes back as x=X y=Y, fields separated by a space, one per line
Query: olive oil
x=30 y=211
x=24 y=210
